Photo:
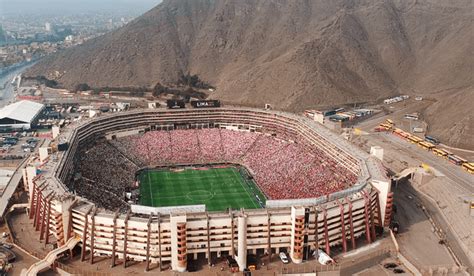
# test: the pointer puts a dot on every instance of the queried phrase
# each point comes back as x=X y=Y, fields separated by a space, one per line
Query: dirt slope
x=293 y=54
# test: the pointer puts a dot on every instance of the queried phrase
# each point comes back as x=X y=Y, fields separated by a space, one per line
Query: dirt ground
x=379 y=270
x=22 y=260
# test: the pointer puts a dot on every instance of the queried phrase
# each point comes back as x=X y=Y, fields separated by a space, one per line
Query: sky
x=54 y=7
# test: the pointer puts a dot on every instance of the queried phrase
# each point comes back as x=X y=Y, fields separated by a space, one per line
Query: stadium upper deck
x=333 y=219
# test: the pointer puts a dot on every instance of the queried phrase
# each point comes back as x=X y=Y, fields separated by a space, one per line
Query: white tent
x=20 y=114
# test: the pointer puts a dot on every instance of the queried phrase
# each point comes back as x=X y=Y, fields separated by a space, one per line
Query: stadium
x=161 y=186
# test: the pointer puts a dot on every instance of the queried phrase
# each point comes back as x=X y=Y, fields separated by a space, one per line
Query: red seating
x=282 y=169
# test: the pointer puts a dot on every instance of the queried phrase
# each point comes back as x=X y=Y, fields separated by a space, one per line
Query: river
x=7 y=92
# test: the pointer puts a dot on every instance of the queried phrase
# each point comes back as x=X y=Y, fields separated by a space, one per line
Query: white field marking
x=185 y=196
x=149 y=186
x=217 y=176
x=248 y=194
x=211 y=194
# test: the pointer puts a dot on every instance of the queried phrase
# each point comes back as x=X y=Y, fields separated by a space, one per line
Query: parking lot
x=17 y=145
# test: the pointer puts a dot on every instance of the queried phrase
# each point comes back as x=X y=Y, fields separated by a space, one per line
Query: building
x=296 y=226
x=20 y=115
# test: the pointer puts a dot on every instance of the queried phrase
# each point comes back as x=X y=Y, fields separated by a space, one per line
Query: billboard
x=205 y=103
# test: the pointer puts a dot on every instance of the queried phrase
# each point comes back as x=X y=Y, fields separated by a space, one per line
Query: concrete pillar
x=326 y=233
x=32 y=201
x=64 y=207
x=383 y=187
x=159 y=240
x=178 y=243
x=241 y=258
x=30 y=175
x=208 y=254
x=47 y=223
x=45 y=216
x=43 y=154
x=114 y=238
x=367 y=219
x=92 y=235
x=343 y=228
x=316 y=229
x=351 y=224
x=84 y=234
x=125 y=239
x=148 y=242
x=297 y=234
x=388 y=209
x=232 y=238
x=269 y=242
x=55 y=131
x=39 y=200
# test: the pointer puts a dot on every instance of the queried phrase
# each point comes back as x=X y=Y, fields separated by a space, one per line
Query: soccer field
x=217 y=188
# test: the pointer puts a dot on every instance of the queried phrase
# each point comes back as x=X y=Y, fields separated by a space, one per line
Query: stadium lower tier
x=162 y=239
x=281 y=169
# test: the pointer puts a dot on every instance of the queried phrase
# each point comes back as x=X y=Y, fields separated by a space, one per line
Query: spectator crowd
x=282 y=169
x=105 y=175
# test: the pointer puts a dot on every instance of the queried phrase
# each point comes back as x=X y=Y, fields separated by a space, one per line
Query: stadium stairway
x=50 y=258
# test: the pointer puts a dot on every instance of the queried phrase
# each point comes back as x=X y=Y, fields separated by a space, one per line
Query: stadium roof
x=23 y=111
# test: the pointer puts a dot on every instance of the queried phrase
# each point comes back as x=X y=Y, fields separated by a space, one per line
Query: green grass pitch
x=217 y=188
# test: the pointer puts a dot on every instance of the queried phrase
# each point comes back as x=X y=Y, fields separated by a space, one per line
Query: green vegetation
x=192 y=81
x=217 y=188
x=43 y=80
x=82 y=87
x=178 y=93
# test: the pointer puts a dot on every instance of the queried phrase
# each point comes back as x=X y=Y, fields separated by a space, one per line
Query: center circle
x=200 y=195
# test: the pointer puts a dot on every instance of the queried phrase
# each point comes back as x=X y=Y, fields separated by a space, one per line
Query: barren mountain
x=293 y=54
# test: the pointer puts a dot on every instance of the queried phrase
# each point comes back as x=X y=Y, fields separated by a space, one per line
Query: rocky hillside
x=293 y=54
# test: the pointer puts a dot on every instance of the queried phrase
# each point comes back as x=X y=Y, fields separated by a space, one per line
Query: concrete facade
x=293 y=226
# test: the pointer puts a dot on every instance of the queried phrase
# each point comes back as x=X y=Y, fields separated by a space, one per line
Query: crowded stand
x=282 y=169
x=106 y=174
x=210 y=144
x=133 y=154
x=185 y=146
x=236 y=143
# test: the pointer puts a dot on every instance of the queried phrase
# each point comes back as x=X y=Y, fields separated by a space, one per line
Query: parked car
x=252 y=262
x=284 y=258
x=232 y=263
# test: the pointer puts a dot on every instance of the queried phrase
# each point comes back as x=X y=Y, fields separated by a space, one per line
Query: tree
x=159 y=89
x=46 y=81
x=82 y=87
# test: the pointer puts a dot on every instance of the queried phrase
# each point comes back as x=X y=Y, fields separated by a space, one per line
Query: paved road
x=417 y=240
x=11 y=188
x=412 y=155
x=456 y=173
